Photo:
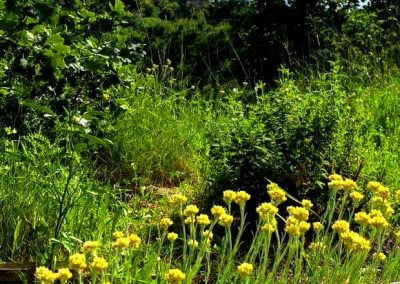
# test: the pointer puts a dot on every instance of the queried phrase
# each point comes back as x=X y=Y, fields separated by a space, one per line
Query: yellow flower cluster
x=225 y=220
x=341 y=226
x=77 y=261
x=379 y=256
x=317 y=226
x=217 y=211
x=276 y=193
x=362 y=218
x=165 y=223
x=190 y=210
x=269 y=227
x=377 y=220
x=317 y=246
x=99 y=264
x=175 y=276
x=64 y=274
x=266 y=210
x=295 y=227
x=241 y=198
x=338 y=183
x=193 y=243
x=172 y=237
x=188 y=220
x=378 y=189
x=355 y=242
x=203 y=220
x=133 y=240
x=356 y=196
x=307 y=204
x=90 y=246
x=207 y=234
x=177 y=199
x=300 y=213
x=245 y=269
x=45 y=275
x=229 y=196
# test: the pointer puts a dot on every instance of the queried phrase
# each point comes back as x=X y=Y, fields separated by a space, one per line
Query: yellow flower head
x=229 y=196
x=241 y=198
x=203 y=220
x=269 y=228
x=349 y=185
x=379 y=256
x=378 y=189
x=377 y=201
x=276 y=193
x=123 y=242
x=356 y=196
x=336 y=184
x=190 y=210
x=225 y=220
x=165 y=223
x=193 y=243
x=355 y=242
x=307 y=204
x=379 y=222
x=304 y=227
x=317 y=246
x=77 y=261
x=373 y=185
x=292 y=227
x=175 y=276
x=207 y=234
x=397 y=195
x=245 y=269
x=99 y=264
x=317 y=226
x=64 y=274
x=90 y=246
x=177 y=199
x=134 y=240
x=389 y=209
x=188 y=220
x=336 y=177
x=362 y=218
x=217 y=211
x=341 y=226
x=172 y=237
x=300 y=213
x=118 y=234
x=45 y=275
x=266 y=210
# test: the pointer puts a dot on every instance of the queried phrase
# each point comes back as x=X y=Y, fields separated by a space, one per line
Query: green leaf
x=37 y=107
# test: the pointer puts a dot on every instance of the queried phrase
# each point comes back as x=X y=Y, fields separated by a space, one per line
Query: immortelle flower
x=379 y=256
x=266 y=210
x=355 y=242
x=336 y=184
x=203 y=220
x=193 y=243
x=118 y=234
x=349 y=185
x=304 y=227
x=123 y=242
x=77 y=261
x=99 y=264
x=268 y=228
x=307 y=204
x=165 y=223
x=245 y=269
x=134 y=240
x=276 y=193
x=241 y=198
x=64 y=274
x=341 y=226
x=45 y=275
x=336 y=177
x=208 y=234
x=356 y=196
x=229 y=196
x=300 y=213
x=362 y=218
x=172 y=237
x=292 y=227
x=190 y=210
x=217 y=211
x=317 y=246
x=177 y=199
x=317 y=226
x=225 y=220
x=90 y=246
x=175 y=276
x=188 y=220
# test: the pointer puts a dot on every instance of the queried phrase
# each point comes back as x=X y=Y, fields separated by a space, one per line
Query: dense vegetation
x=114 y=114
